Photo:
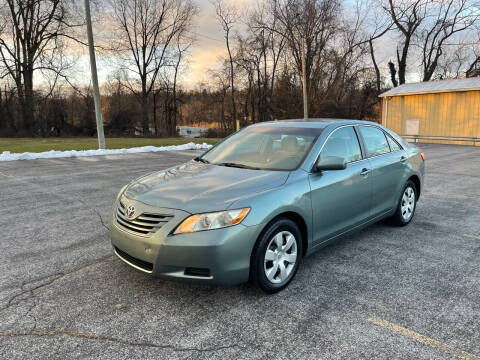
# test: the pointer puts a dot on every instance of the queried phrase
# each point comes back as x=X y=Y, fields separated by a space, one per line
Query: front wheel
x=406 y=205
x=277 y=255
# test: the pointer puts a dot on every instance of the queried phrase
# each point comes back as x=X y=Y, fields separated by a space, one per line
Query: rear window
x=393 y=144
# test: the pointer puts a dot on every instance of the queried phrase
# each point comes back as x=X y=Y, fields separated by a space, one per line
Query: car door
x=387 y=160
x=341 y=199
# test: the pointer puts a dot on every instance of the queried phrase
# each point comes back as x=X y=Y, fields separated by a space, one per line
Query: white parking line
x=472 y=236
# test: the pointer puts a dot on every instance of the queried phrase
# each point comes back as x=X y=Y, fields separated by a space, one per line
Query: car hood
x=197 y=187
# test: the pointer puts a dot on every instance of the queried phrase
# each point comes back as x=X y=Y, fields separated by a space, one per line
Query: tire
x=407 y=204
x=274 y=270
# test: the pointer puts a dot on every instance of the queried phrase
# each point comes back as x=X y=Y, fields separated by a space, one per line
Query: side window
x=393 y=144
x=343 y=143
x=375 y=141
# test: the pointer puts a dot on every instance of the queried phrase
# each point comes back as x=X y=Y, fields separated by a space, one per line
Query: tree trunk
x=173 y=129
x=222 y=118
x=168 y=112
x=144 y=107
x=10 y=118
x=145 y=114
x=252 y=102
x=155 y=120
x=402 y=62
x=375 y=65
x=234 y=110
x=429 y=71
x=261 y=115
x=393 y=74
x=247 y=100
x=471 y=69
x=28 y=116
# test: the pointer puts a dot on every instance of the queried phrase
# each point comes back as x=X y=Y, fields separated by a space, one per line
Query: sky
x=209 y=45
x=206 y=52
x=208 y=48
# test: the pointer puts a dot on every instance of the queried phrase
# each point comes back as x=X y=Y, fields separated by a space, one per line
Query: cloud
x=202 y=59
x=210 y=44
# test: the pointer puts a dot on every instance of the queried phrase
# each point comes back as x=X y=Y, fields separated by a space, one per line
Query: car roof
x=312 y=123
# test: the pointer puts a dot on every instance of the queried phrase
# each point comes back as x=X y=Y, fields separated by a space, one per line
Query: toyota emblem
x=130 y=211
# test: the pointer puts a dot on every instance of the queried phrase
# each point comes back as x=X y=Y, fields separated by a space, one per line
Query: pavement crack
x=99 y=337
x=96 y=212
x=31 y=315
x=101 y=219
x=17 y=298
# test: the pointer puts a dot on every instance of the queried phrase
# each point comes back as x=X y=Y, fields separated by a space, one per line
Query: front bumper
x=220 y=257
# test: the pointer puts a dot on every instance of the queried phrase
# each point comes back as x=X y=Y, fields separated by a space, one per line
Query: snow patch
x=8 y=156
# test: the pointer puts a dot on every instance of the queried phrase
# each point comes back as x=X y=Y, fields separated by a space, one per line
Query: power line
x=205 y=36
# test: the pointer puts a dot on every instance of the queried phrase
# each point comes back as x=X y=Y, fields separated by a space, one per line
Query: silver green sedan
x=254 y=205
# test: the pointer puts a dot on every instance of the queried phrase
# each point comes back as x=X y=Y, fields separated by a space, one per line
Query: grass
x=19 y=145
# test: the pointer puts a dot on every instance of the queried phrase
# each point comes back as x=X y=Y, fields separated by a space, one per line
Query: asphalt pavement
x=385 y=292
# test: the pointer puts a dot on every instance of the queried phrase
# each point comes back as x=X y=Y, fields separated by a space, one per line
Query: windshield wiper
x=201 y=160
x=241 y=166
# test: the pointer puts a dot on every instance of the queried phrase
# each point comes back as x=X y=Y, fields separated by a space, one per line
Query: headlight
x=209 y=221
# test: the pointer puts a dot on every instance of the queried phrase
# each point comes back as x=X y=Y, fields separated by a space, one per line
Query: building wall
x=440 y=114
x=191 y=131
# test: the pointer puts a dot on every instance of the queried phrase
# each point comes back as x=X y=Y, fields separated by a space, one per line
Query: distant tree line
x=148 y=42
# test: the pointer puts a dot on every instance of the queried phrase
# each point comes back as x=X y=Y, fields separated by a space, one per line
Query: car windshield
x=264 y=148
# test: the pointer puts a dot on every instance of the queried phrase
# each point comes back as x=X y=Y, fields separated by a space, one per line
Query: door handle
x=365 y=171
x=403 y=159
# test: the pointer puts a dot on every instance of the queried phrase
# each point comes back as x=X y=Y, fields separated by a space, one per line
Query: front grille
x=143 y=265
x=144 y=224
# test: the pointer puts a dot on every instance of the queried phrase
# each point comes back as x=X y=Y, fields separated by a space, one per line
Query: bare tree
x=314 y=21
x=227 y=15
x=407 y=16
x=168 y=85
x=183 y=43
x=474 y=68
x=350 y=49
x=376 y=25
x=454 y=62
x=30 y=34
x=146 y=31
x=448 y=18
x=221 y=79
x=262 y=51
x=378 y=78
x=7 y=95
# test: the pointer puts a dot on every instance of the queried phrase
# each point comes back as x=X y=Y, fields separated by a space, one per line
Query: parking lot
x=385 y=292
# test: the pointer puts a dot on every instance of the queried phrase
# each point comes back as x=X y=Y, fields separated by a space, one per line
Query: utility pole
x=304 y=81
x=93 y=68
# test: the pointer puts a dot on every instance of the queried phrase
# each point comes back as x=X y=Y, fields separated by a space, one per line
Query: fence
x=415 y=138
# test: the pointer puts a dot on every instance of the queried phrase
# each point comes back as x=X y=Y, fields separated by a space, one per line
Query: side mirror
x=331 y=163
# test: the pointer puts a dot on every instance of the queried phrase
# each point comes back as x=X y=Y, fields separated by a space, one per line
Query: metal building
x=445 y=111
x=192 y=131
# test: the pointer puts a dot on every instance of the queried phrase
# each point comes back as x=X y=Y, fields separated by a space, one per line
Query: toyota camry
x=254 y=205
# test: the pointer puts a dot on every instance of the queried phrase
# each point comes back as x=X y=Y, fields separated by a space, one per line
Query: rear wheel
x=277 y=255
x=406 y=205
